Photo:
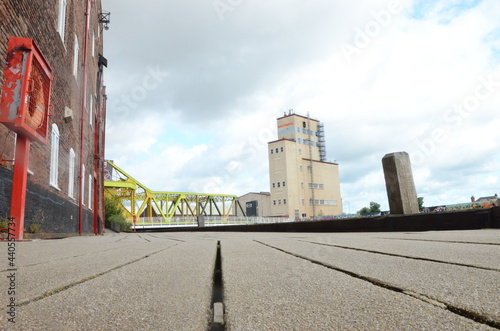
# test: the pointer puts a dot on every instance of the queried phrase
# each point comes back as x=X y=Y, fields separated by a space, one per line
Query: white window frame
x=61 y=22
x=71 y=176
x=76 y=49
x=54 y=156
x=90 y=191
x=91 y=105
x=83 y=185
x=93 y=43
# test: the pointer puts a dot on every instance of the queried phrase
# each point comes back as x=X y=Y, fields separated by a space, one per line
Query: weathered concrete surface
x=141 y=283
x=399 y=183
x=280 y=281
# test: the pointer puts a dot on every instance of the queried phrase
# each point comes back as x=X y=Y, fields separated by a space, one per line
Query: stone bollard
x=399 y=183
x=201 y=221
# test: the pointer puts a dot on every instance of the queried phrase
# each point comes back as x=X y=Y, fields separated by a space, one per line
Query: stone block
x=399 y=183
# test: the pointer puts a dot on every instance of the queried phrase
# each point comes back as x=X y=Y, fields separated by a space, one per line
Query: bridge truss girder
x=138 y=201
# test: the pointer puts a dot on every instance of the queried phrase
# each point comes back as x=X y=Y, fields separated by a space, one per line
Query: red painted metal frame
x=22 y=56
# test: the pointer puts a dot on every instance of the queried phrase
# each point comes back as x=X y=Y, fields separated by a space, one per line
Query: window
x=301 y=168
x=323 y=202
x=304 y=124
x=273 y=185
x=71 y=183
x=61 y=22
x=278 y=184
x=274 y=202
x=90 y=191
x=90 y=110
x=83 y=185
x=75 y=57
x=283 y=184
x=318 y=186
x=276 y=150
x=284 y=201
x=282 y=149
x=54 y=156
x=93 y=44
x=272 y=151
x=279 y=202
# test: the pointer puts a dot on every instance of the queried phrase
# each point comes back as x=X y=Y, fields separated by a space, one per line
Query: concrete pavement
x=447 y=280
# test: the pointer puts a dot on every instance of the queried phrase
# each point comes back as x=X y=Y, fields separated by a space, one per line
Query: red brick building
x=65 y=184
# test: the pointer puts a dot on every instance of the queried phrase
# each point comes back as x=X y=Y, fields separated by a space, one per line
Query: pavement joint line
x=70 y=257
x=60 y=289
x=403 y=256
x=483 y=319
x=217 y=304
x=444 y=241
x=170 y=238
x=143 y=238
x=120 y=239
x=167 y=238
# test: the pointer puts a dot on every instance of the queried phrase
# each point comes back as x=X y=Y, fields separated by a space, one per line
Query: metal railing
x=188 y=221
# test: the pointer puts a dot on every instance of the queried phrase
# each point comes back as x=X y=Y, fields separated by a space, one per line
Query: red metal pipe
x=97 y=162
x=19 y=181
x=82 y=118
x=103 y=150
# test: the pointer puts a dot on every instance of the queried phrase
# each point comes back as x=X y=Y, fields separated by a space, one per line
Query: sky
x=195 y=87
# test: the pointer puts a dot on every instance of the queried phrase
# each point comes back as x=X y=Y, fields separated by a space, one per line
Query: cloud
x=193 y=97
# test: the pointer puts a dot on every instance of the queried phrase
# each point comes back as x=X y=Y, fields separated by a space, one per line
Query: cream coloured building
x=256 y=204
x=302 y=183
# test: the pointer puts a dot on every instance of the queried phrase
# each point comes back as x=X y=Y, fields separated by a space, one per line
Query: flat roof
x=282 y=139
x=305 y=117
x=319 y=161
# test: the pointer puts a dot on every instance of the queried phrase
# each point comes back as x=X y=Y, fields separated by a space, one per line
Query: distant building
x=256 y=204
x=302 y=183
x=65 y=183
x=485 y=199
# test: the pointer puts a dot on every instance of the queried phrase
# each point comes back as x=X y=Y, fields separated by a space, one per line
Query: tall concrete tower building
x=303 y=184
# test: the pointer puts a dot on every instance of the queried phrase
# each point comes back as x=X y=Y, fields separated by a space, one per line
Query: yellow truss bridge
x=149 y=208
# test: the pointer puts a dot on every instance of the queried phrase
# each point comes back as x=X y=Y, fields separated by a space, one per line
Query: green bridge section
x=148 y=207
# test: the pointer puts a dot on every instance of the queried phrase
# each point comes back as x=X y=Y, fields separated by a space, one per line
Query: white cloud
x=206 y=125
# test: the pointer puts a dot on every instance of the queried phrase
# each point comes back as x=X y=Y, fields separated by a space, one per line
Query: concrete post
x=399 y=183
x=201 y=220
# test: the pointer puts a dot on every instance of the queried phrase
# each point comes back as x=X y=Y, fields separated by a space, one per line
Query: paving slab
x=483 y=235
x=479 y=254
x=474 y=290
x=77 y=259
x=163 y=281
x=169 y=290
x=265 y=289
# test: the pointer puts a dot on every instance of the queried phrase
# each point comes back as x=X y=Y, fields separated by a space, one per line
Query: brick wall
x=39 y=20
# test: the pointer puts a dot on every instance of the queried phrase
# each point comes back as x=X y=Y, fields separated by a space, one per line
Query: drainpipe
x=82 y=119
x=103 y=141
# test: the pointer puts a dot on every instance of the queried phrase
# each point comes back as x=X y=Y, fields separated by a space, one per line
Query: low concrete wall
x=495 y=217
x=459 y=220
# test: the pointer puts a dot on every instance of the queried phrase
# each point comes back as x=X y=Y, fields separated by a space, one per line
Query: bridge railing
x=182 y=221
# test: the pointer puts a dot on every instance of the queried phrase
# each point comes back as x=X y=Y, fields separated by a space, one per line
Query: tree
x=111 y=206
x=114 y=212
x=373 y=209
x=364 y=211
x=420 y=203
